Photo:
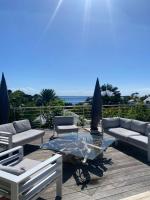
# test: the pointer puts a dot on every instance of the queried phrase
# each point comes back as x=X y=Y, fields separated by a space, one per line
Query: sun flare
x=86 y=17
x=52 y=18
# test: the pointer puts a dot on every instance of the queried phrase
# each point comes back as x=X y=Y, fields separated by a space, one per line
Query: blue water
x=74 y=99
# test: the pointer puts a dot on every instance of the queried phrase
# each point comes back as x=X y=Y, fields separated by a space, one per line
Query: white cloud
x=141 y=91
x=27 y=90
x=59 y=92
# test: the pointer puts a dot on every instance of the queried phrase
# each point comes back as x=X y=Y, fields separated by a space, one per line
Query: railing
x=43 y=116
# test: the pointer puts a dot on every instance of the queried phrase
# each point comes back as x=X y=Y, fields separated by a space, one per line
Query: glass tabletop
x=82 y=145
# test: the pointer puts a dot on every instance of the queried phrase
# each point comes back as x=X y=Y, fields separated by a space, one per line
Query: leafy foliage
x=47 y=95
x=115 y=98
x=19 y=98
x=139 y=112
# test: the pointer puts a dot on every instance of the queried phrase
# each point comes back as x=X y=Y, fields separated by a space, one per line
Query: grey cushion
x=147 y=132
x=63 y=120
x=138 y=126
x=26 y=137
x=140 y=141
x=12 y=170
x=22 y=125
x=110 y=122
x=121 y=133
x=27 y=164
x=8 y=128
x=125 y=123
x=66 y=129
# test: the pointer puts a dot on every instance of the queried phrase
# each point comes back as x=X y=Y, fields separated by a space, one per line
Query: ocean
x=73 y=99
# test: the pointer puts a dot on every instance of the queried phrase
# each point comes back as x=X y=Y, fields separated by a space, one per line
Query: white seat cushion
x=27 y=136
x=139 y=141
x=121 y=133
x=67 y=128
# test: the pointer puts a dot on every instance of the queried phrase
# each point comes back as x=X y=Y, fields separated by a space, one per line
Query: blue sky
x=67 y=44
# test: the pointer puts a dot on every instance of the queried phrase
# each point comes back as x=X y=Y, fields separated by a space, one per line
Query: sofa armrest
x=148 y=148
x=6 y=138
x=12 y=155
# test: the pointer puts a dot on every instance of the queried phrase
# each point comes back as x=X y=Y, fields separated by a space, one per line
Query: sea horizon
x=74 y=99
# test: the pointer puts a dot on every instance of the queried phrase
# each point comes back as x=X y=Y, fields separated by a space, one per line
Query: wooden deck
x=123 y=173
x=141 y=196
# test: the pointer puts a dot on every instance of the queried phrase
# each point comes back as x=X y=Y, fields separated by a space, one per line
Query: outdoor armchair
x=24 y=179
x=64 y=124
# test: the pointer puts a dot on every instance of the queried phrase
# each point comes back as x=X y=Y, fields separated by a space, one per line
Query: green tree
x=135 y=96
x=19 y=98
x=110 y=94
x=48 y=95
x=37 y=98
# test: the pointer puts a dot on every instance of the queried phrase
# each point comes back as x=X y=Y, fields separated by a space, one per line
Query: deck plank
x=142 y=196
x=127 y=174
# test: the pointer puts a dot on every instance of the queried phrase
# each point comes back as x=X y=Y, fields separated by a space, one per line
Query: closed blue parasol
x=96 y=113
x=4 y=102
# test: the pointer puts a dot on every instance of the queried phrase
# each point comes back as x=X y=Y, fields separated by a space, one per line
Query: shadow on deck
x=122 y=172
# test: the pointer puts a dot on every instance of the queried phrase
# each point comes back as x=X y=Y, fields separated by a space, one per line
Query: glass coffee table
x=83 y=146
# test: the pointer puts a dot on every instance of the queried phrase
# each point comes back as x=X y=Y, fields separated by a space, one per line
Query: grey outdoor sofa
x=134 y=132
x=19 y=133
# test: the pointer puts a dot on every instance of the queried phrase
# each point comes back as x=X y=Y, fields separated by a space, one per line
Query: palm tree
x=48 y=95
x=111 y=95
x=4 y=102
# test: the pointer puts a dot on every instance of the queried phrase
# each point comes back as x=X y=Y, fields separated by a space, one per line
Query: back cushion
x=22 y=125
x=110 y=122
x=12 y=170
x=147 y=132
x=138 y=126
x=8 y=128
x=125 y=123
x=62 y=120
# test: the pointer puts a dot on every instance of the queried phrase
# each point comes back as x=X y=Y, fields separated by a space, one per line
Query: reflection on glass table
x=81 y=145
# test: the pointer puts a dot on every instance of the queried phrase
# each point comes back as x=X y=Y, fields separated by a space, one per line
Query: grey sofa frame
x=134 y=132
x=11 y=136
